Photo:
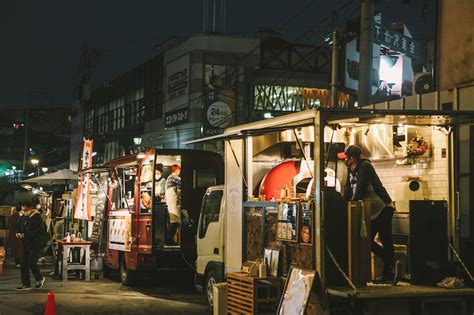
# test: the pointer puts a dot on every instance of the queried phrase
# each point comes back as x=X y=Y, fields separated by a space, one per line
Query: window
x=117 y=108
x=89 y=122
x=204 y=178
x=137 y=106
x=210 y=211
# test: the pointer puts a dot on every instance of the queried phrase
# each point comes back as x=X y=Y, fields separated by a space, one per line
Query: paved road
x=166 y=293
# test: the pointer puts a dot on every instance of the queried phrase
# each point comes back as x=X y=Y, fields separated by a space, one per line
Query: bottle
x=68 y=238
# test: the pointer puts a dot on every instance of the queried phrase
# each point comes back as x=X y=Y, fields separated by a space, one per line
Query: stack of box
x=2 y=258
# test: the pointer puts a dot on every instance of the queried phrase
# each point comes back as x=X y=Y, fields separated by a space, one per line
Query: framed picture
x=297 y=291
x=288 y=221
x=271 y=258
x=306 y=228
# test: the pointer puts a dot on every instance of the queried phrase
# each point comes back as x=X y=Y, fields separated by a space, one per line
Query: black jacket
x=32 y=227
x=367 y=187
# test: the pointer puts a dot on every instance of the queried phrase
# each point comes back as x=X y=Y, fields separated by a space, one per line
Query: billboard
x=352 y=66
x=177 y=82
x=219 y=98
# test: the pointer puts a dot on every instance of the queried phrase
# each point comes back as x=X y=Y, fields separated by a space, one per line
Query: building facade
x=199 y=86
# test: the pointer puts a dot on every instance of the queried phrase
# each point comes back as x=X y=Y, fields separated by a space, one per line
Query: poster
x=120 y=224
x=219 y=99
x=83 y=204
x=297 y=291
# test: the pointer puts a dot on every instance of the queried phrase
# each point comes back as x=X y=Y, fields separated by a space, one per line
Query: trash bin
x=97 y=264
x=220 y=298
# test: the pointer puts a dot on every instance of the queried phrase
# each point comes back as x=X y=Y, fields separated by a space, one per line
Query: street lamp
x=137 y=141
x=35 y=163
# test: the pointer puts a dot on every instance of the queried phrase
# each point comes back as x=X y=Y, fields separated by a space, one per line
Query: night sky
x=41 y=39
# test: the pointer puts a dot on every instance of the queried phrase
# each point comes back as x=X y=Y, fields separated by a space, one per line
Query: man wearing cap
x=363 y=183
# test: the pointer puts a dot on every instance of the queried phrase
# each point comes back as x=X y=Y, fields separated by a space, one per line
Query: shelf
x=261 y=204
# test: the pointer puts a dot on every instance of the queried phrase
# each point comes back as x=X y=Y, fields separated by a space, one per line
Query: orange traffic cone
x=50 y=308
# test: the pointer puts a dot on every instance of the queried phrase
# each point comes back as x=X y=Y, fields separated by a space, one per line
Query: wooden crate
x=252 y=295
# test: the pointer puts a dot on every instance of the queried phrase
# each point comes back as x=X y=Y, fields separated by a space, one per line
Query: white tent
x=61 y=177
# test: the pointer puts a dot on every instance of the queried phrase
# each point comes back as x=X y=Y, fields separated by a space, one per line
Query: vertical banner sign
x=83 y=204
x=97 y=226
x=219 y=99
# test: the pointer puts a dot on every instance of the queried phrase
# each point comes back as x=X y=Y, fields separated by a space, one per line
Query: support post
x=334 y=70
x=366 y=52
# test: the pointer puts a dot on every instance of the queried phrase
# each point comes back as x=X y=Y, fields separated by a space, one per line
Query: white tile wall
x=434 y=172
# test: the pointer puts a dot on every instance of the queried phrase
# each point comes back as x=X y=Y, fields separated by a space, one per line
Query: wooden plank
x=240 y=296
x=239 y=307
x=237 y=301
x=239 y=288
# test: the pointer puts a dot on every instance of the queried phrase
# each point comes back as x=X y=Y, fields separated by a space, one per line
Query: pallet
x=252 y=295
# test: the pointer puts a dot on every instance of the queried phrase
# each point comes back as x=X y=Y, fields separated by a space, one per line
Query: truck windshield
x=210 y=211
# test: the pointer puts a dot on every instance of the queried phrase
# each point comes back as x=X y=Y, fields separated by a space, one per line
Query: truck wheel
x=211 y=279
x=126 y=275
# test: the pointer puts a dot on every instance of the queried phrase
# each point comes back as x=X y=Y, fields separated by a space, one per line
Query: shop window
x=210 y=211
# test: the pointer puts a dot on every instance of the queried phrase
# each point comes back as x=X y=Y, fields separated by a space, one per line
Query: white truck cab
x=210 y=242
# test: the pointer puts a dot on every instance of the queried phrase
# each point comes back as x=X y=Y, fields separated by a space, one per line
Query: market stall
x=413 y=145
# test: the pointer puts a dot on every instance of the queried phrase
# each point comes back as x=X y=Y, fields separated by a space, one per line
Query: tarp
x=61 y=177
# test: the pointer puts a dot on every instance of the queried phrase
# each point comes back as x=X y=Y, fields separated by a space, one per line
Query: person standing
x=173 y=201
x=363 y=183
x=14 y=241
x=160 y=183
x=31 y=231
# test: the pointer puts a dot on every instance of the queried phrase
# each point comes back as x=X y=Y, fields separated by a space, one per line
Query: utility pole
x=366 y=51
x=334 y=70
x=27 y=125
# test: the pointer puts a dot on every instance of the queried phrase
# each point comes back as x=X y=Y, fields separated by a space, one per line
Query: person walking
x=31 y=231
x=14 y=241
x=363 y=183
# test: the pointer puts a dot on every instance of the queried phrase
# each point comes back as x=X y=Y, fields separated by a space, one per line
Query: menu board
x=120 y=227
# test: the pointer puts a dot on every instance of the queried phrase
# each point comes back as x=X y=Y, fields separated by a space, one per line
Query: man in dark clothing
x=363 y=183
x=31 y=231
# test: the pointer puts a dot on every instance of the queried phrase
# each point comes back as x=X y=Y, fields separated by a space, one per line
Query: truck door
x=210 y=230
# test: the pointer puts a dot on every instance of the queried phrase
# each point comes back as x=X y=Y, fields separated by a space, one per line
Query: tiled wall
x=433 y=171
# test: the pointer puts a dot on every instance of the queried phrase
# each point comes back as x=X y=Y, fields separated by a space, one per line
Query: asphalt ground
x=160 y=293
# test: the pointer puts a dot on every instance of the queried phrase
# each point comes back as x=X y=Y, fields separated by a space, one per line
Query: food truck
x=282 y=195
x=138 y=197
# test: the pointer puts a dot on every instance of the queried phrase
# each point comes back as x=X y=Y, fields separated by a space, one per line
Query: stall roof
x=293 y=120
x=405 y=117
x=348 y=116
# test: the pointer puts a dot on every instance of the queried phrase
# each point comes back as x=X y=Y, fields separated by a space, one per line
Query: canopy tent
x=61 y=177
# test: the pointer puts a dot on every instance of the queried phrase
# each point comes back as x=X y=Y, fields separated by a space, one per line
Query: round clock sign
x=219 y=114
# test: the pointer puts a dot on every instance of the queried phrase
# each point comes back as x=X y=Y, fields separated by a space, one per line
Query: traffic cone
x=50 y=308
